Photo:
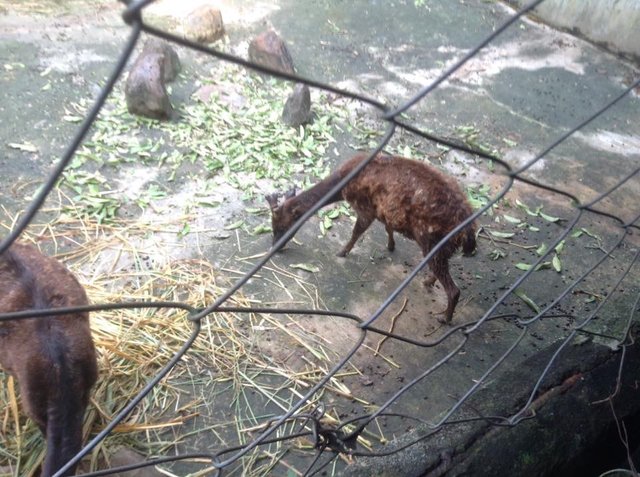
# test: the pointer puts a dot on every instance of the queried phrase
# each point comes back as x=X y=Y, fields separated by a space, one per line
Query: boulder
x=268 y=49
x=171 y=61
x=297 y=109
x=204 y=25
x=145 y=90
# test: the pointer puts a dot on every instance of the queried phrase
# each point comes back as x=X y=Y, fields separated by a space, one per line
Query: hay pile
x=215 y=397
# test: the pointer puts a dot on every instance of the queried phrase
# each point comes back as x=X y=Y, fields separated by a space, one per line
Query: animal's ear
x=272 y=199
x=291 y=193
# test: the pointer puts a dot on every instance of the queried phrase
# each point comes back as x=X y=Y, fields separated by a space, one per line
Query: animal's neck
x=306 y=199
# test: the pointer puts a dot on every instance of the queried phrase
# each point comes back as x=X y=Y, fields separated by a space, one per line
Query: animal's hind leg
x=362 y=224
x=430 y=280
x=440 y=268
x=391 y=244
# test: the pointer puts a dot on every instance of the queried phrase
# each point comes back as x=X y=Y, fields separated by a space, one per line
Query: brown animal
x=407 y=196
x=52 y=357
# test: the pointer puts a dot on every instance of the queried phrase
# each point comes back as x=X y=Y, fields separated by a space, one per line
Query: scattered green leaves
x=93 y=197
x=153 y=192
x=327 y=216
x=470 y=135
x=480 y=196
x=537 y=212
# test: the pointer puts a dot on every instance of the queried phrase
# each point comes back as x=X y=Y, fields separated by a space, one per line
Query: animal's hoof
x=429 y=282
x=444 y=320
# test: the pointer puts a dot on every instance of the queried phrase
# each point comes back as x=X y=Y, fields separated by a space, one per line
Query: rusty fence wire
x=332 y=441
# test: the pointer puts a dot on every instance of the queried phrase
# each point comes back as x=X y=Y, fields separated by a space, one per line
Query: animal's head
x=283 y=213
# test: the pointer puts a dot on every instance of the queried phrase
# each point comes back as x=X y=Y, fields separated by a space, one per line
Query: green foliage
x=236 y=145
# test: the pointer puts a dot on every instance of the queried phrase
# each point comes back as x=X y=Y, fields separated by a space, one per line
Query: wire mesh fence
x=305 y=415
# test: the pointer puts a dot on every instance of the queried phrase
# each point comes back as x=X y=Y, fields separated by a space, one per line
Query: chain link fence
x=334 y=439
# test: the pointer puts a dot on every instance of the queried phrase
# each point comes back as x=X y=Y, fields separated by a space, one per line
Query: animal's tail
x=469 y=244
x=65 y=411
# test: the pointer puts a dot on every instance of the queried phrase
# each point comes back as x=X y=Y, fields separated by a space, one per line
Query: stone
x=268 y=49
x=204 y=25
x=230 y=96
x=123 y=456
x=170 y=63
x=297 y=108
x=145 y=90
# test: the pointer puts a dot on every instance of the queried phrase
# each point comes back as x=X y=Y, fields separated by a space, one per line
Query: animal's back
x=410 y=196
x=52 y=357
x=31 y=280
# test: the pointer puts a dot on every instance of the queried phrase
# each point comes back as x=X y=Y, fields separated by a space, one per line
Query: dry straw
x=226 y=373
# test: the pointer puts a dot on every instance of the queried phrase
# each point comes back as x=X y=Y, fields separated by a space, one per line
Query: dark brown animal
x=407 y=196
x=53 y=358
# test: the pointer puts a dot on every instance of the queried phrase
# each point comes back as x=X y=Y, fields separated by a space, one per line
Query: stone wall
x=614 y=24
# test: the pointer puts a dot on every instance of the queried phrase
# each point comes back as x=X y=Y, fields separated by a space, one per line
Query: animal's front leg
x=362 y=224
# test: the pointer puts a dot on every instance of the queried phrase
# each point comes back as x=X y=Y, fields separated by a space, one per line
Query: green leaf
x=306 y=267
x=261 y=229
x=526 y=208
x=501 y=234
x=557 y=265
x=511 y=219
x=590 y=234
x=542 y=249
x=72 y=118
x=526 y=266
x=209 y=203
x=333 y=213
x=559 y=247
x=549 y=218
x=234 y=225
x=530 y=303
x=25 y=146
x=186 y=228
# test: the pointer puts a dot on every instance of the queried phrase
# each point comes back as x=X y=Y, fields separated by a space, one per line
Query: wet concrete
x=528 y=87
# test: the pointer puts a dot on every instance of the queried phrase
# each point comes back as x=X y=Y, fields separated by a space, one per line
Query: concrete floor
x=520 y=93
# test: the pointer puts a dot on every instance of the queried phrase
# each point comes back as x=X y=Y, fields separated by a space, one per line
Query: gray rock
x=145 y=90
x=204 y=25
x=268 y=49
x=297 y=108
x=171 y=61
